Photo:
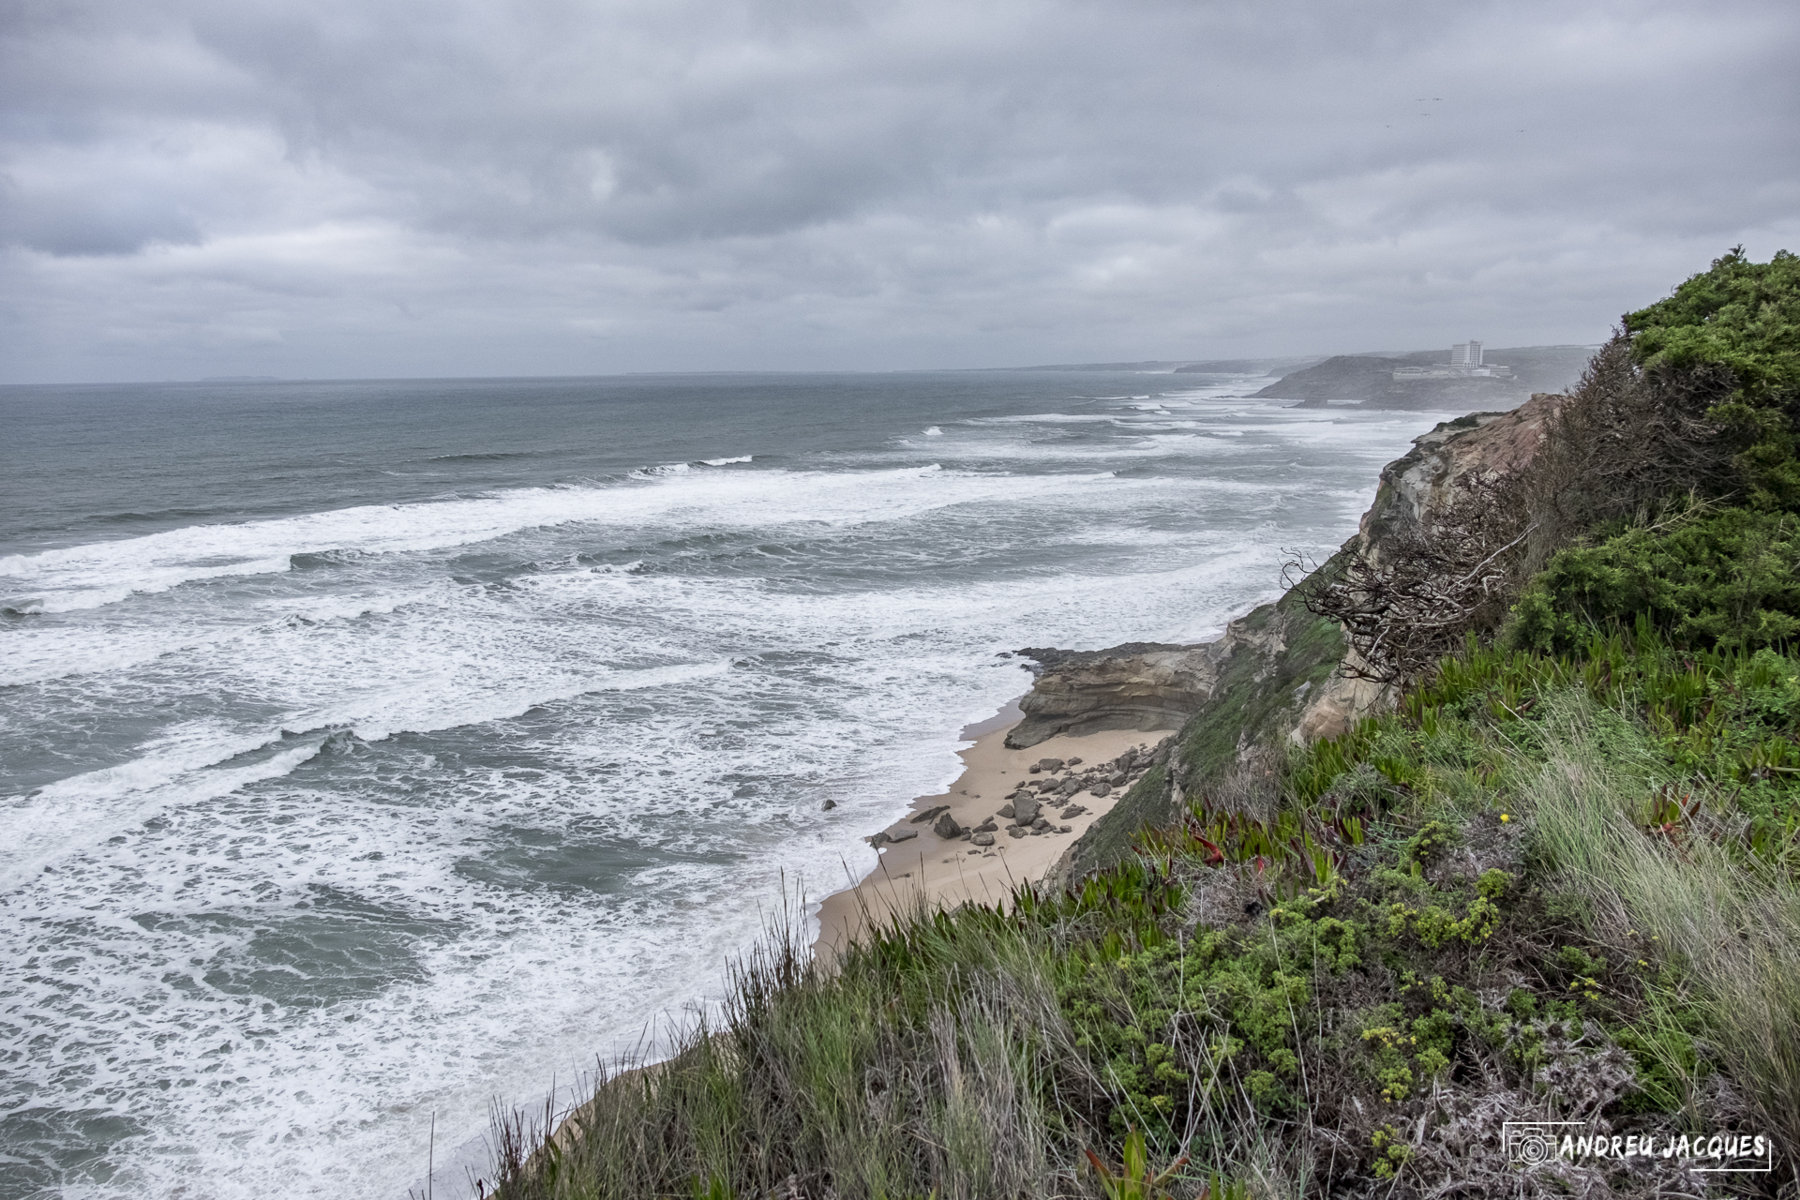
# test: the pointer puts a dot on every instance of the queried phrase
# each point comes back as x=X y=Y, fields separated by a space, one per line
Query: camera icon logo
x=1532 y=1142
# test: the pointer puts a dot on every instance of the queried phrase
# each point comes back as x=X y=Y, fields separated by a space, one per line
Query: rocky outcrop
x=1154 y=686
x=888 y=837
x=1036 y=807
x=1140 y=685
x=1272 y=673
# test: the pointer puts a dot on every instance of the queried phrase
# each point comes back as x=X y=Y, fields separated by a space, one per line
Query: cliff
x=1417 y=486
x=1275 y=676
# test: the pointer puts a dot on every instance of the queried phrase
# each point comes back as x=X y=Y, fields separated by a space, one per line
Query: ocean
x=373 y=753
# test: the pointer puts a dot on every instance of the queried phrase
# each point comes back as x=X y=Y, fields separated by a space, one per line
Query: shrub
x=1722 y=578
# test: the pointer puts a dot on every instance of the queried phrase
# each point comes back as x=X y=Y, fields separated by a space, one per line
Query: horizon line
x=1146 y=364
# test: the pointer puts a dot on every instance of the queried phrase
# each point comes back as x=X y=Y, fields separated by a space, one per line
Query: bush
x=1741 y=316
x=1721 y=579
x=1733 y=332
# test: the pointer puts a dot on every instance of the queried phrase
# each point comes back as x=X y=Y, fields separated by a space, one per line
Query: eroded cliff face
x=1276 y=675
x=1421 y=483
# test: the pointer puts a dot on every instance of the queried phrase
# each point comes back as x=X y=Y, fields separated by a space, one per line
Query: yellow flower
x=1505 y=817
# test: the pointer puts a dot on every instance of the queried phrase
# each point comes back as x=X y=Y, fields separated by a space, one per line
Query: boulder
x=1101 y=789
x=1006 y=810
x=947 y=827
x=1040 y=824
x=983 y=839
x=1048 y=764
x=1025 y=812
x=987 y=826
x=930 y=814
x=1074 y=810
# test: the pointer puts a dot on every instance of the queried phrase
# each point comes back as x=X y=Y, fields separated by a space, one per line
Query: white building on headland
x=1465 y=363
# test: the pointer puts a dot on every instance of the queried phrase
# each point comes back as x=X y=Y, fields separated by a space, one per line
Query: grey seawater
x=372 y=752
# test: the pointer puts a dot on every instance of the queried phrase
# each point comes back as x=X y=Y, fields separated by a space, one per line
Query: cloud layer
x=396 y=187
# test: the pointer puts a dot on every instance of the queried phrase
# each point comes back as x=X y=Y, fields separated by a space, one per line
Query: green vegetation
x=1717 y=578
x=1559 y=880
x=1718 y=568
x=1740 y=316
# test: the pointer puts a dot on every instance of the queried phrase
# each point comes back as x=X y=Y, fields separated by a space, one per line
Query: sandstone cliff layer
x=1139 y=685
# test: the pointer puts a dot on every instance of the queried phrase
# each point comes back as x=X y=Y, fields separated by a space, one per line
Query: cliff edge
x=1277 y=675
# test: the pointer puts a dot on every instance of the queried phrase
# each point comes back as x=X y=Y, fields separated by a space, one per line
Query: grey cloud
x=614 y=184
x=90 y=221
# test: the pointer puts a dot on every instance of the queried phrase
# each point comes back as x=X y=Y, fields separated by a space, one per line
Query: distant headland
x=1423 y=379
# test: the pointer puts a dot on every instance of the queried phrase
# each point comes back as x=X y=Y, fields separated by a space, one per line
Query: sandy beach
x=933 y=872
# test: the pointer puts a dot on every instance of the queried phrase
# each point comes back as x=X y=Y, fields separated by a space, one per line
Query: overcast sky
x=330 y=188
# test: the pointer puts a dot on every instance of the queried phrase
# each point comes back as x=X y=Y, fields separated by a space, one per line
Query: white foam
x=1048 y=418
x=726 y=462
x=38 y=652
x=34 y=655
x=88 y=809
x=155 y=576
x=679 y=468
x=318 y=609
x=190 y=764
x=933 y=431
x=102 y=573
